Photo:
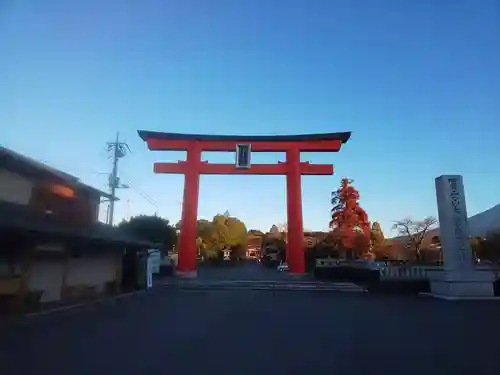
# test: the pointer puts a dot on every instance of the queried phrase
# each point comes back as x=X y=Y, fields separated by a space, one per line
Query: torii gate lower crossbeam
x=292 y=168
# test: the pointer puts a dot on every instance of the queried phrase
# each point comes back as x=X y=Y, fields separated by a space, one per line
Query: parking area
x=246 y=271
x=251 y=332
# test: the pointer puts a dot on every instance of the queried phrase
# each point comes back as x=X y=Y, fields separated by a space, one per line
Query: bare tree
x=414 y=231
x=283 y=228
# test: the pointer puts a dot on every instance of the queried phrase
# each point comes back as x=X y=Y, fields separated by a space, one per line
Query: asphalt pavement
x=257 y=332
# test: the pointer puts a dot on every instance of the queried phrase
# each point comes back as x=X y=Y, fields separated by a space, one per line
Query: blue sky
x=417 y=82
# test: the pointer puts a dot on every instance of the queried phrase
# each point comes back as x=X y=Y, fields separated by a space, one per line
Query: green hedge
x=400 y=286
x=370 y=279
x=358 y=275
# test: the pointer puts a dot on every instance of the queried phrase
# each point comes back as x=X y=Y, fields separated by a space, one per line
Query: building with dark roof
x=52 y=245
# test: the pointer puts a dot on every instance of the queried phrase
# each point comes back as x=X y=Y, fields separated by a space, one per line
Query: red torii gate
x=193 y=166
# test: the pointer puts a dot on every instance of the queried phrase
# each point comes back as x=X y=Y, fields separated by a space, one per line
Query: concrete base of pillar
x=462 y=298
x=186 y=274
x=471 y=285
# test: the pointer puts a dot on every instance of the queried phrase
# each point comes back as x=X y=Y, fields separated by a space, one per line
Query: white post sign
x=149 y=272
x=454 y=230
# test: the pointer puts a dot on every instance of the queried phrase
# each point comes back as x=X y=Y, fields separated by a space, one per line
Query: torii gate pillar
x=186 y=266
x=295 y=228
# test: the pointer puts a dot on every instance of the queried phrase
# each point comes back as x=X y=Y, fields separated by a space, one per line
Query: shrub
x=360 y=275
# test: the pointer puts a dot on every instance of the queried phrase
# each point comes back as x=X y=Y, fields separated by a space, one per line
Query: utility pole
x=119 y=150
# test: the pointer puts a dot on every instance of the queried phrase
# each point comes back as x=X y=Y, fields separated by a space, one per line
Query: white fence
x=397 y=271
x=421 y=272
x=404 y=272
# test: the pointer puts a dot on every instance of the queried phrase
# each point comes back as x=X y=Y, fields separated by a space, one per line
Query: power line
x=146 y=197
x=143 y=194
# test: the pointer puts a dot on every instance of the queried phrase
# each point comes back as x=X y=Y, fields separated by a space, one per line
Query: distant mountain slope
x=479 y=224
x=483 y=222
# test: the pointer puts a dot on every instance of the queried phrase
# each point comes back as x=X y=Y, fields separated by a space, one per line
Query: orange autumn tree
x=349 y=221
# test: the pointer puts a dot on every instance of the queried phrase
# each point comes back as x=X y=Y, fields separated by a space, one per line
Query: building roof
x=16 y=162
x=306 y=234
x=343 y=136
x=20 y=218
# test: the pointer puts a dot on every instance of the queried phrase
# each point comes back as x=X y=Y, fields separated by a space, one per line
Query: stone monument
x=459 y=278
